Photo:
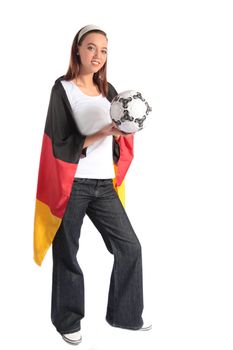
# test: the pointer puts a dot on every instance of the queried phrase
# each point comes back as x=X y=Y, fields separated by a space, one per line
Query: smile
x=96 y=63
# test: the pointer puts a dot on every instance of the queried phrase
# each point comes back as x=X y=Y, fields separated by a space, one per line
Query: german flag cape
x=62 y=147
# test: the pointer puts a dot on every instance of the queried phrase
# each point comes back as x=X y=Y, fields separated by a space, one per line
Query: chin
x=95 y=69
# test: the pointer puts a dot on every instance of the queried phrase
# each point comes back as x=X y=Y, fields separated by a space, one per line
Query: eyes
x=93 y=49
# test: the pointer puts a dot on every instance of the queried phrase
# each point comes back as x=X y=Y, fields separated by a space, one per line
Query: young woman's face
x=93 y=52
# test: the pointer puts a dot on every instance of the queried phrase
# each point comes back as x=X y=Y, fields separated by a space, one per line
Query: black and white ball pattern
x=129 y=110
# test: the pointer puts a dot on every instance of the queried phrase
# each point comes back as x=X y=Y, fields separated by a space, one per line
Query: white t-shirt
x=92 y=113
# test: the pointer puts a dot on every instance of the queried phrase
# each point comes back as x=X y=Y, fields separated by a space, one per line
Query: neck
x=85 y=80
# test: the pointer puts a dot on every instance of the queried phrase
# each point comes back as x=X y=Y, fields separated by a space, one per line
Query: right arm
x=108 y=130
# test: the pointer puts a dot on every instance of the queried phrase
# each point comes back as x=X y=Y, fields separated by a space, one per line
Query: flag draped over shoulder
x=62 y=147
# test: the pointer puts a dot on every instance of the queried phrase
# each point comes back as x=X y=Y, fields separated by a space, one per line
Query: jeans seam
x=115 y=284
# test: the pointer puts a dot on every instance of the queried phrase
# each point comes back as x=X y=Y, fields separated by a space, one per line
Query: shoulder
x=58 y=96
x=111 y=88
x=57 y=87
x=58 y=80
x=111 y=92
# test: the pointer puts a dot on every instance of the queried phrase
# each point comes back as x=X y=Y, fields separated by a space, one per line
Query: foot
x=72 y=338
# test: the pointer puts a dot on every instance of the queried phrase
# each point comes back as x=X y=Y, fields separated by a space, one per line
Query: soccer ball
x=129 y=110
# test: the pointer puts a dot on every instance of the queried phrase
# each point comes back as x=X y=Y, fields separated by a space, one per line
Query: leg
x=67 y=307
x=125 y=301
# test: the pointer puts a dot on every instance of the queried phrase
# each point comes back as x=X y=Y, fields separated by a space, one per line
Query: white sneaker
x=146 y=326
x=73 y=338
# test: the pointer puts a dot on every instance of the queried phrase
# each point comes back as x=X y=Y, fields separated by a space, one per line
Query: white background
x=179 y=186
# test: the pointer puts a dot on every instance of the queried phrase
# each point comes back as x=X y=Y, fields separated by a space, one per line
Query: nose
x=96 y=55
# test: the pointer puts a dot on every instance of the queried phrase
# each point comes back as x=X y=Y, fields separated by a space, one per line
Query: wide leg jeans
x=98 y=199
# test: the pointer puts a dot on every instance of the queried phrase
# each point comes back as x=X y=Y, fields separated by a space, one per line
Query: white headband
x=88 y=29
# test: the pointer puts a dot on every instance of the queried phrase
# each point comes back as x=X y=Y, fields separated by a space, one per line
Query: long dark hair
x=99 y=78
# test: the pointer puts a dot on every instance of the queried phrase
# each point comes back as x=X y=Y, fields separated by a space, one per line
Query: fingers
x=112 y=129
x=118 y=132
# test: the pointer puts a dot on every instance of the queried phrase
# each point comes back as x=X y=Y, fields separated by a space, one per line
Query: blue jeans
x=99 y=200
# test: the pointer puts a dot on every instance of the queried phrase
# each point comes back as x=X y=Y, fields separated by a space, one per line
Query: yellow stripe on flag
x=120 y=190
x=45 y=228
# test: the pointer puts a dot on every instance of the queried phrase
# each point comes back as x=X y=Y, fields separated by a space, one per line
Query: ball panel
x=129 y=110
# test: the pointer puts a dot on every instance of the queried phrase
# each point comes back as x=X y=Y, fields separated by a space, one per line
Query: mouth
x=95 y=63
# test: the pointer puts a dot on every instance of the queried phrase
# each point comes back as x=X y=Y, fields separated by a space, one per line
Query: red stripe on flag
x=55 y=179
x=126 y=156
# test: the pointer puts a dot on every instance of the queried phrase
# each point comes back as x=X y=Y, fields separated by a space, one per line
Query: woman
x=83 y=163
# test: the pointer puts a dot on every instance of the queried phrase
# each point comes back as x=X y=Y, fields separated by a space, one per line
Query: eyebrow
x=95 y=45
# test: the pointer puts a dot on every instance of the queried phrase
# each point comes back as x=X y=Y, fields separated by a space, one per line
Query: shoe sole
x=72 y=342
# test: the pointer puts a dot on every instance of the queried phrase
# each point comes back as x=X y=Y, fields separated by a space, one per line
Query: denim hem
x=70 y=331
x=123 y=327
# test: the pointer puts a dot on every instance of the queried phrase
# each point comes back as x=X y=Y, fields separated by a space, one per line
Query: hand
x=108 y=130
x=118 y=132
x=111 y=129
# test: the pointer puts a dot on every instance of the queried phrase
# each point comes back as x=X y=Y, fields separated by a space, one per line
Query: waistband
x=92 y=181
